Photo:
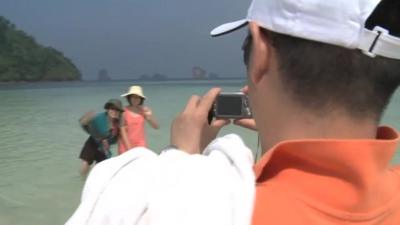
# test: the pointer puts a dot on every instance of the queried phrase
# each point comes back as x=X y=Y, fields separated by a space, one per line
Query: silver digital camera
x=230 y=105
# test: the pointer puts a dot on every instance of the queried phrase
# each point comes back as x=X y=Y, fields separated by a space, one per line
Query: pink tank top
x=135 y=127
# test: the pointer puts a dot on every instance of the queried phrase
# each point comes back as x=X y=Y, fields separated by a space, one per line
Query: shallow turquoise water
x=40 y=140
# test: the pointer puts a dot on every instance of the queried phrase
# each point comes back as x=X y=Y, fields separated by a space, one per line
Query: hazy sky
x=134 y=37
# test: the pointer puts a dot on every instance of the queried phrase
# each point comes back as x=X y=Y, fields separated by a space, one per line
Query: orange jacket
x=329 y=182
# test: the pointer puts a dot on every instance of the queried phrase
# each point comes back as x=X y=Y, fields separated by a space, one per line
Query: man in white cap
x=320 y=74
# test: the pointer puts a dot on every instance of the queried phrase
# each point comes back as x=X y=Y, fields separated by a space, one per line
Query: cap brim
x=228 y=27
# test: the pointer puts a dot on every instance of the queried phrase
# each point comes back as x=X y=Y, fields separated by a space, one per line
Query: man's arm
x=191 y=131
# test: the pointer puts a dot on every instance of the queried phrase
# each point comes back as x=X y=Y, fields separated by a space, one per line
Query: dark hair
x=129 y=96
x=324 y=77
x=114 y=104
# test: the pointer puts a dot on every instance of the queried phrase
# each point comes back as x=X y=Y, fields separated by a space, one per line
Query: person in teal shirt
x=103 y=130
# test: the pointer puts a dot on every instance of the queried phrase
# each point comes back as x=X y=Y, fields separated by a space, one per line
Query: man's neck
x=299 y=124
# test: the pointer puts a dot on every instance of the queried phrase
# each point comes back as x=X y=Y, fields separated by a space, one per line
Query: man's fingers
x=219 y=123
x=192 y=103
x=245 y=89
x=208 y=99
x=246 y=123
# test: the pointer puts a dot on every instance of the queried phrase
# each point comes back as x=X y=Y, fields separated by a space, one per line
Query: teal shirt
x=99 y=128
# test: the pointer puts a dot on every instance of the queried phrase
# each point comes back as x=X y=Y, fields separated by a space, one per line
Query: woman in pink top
x=132 y=126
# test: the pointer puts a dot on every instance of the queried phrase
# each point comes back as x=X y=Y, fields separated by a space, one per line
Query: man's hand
x=246 y=123
x=190 y=131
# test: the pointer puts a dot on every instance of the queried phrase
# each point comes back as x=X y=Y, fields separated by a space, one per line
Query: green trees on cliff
x=22 y=59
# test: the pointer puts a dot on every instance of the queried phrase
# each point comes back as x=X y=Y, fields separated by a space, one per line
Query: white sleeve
x=214 y=188
x=115 y=191
x=174 y=188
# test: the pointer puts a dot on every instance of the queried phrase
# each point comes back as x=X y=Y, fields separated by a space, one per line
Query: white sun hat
x=135 y=90
x=336 y=22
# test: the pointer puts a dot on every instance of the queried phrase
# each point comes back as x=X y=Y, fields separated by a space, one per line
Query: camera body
x=231 y=105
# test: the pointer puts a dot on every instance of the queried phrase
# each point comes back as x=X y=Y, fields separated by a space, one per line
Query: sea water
x=40 y=139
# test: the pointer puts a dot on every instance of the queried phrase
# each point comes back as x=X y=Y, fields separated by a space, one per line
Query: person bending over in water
x=132 y=124
x=103 y=130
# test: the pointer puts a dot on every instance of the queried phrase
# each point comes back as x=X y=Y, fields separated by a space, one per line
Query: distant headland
x=23 y=59
x=198 y=73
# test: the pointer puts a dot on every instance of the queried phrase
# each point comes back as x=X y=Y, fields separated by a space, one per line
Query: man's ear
x=260 y=54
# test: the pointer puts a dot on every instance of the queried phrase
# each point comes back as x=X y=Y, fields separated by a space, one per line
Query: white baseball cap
x=336 y=22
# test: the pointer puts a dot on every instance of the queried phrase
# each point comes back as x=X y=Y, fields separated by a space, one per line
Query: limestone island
x=23 y=59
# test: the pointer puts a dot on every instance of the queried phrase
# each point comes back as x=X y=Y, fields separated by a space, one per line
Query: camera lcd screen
x=229 y=105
